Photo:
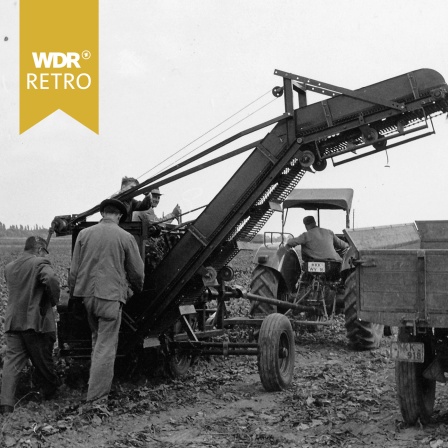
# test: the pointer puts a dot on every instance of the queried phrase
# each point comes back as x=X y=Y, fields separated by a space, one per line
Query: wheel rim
x=427 y=386
x=180 y=359
x=284 y=358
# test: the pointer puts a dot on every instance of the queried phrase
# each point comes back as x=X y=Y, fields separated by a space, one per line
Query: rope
x=217 y=135
x=205 y=133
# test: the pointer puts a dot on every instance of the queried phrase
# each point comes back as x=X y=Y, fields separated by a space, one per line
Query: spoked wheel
x=178 y=361
x=276 y=352
x=416 y=394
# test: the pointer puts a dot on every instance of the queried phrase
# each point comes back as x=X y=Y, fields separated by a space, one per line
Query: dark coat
x=133 y=205
x=33 y=291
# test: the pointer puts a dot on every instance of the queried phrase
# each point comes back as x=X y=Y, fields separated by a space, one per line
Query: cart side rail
x=403 y=287
x=433 y=234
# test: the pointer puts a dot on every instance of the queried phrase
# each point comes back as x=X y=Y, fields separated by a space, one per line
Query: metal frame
x=324 y=88
x=269 y=173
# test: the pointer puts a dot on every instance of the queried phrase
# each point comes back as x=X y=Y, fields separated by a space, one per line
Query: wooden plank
x=391 y=285
x=437 y=282
x=404 y=285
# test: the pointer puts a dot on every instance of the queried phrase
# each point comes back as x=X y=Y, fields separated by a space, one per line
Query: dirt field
x=339 y=398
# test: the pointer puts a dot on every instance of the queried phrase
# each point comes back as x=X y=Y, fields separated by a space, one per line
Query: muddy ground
x=338 y=398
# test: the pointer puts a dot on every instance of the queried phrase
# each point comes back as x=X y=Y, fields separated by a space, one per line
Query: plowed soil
x=338 y=398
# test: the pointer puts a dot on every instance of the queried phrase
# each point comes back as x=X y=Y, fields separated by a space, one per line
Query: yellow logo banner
x=59 y=61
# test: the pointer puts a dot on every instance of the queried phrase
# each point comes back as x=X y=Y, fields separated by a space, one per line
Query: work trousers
x=104 y=317
x=21 y=346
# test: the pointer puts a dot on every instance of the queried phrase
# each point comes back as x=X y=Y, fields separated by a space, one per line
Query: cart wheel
x=178 y=364
x=178 y=361
x=264 y=283
x=276 y=352
x=362 y=335
x=416 y=394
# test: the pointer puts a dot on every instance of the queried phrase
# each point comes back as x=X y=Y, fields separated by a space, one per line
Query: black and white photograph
x=224 y=224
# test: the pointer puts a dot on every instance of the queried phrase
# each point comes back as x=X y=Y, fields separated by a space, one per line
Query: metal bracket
x=327 y=113
x=421 y=283
x=266 y=153
x=316 y=145
x=189 y=330
x=301 y=92
x=289 y=110
x=332 y=90
x=198 y=235
x=414 y=86
x=128 y=321
x=365 y=262
x=187 y=310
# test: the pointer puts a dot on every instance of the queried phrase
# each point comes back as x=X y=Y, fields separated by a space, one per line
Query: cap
x=36 y=242
x=156 y=191
x=114 y=203
x=309 y=220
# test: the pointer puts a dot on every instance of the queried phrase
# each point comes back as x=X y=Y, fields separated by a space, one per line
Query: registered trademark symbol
x=86 y=54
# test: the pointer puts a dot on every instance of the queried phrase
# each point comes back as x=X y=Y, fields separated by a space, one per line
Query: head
x=36 y=245
x=309 y=222
x=155 y=193
x=113 y=209
x=127 y=183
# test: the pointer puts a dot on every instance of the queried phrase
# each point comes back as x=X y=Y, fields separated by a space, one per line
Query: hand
x=342 y=252
x=177 y=211
x=129 y=293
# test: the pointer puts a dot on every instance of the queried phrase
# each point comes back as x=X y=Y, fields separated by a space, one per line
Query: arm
x=135 y=268
x=141 y=205
x=301 y=239
x=74 y=265
x=48 y=278
x=174 y=214
x=339 y=244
